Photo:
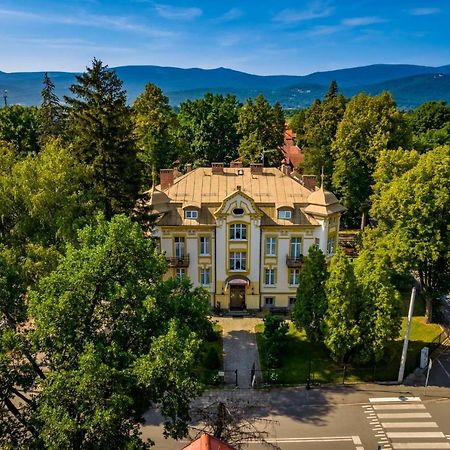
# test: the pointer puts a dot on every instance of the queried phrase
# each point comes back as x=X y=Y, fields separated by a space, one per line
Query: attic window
x=238 y=211
x=285 y=214
x=191 y=214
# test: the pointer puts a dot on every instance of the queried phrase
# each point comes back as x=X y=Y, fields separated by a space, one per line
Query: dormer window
x=285 y=214
x=191 y=214
x=238 y=211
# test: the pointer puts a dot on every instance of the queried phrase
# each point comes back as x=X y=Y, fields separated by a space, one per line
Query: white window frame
x=271 y=246
x=294 y=277
x=269 y=302
x=205 y=246
x=238 y=258
x=179 y=247
x=238 y=229
x=191 y=214
x=269 y=277
x=180 y=272
x=284 y=214
x=330 y=246
x=295 y=247
x=205 y=276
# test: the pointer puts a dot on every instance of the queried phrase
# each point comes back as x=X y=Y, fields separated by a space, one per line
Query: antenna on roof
x=153 y=177
x=322 y=176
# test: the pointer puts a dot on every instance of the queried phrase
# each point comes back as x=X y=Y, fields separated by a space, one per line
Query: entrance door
x=237 y=297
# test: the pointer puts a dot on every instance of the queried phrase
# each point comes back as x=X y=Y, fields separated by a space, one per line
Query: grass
x=210 y=366
x=295 y=360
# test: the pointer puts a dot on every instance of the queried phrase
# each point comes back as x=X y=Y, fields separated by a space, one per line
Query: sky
x=262 y=37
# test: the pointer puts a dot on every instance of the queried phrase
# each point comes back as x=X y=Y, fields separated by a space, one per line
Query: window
x=269 y=301
x=180 y=272
x=284 y=214
x=179 y=247
x=238 y=211
x=270 y=277
x=238 y=261
x=296 y=247
x=204 y=246
x=191 y=214
x=238 y=232
x=205 y=279
x=292 y=301
x=271 y=246
x=330 y=246
x=294 y=276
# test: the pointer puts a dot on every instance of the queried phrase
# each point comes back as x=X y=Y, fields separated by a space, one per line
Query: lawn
x=295 y=362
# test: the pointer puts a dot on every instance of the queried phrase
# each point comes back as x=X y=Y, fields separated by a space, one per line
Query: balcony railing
x=294 y=261
x=178 y=261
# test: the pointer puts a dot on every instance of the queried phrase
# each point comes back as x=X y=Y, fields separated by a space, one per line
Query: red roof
x=207 y=442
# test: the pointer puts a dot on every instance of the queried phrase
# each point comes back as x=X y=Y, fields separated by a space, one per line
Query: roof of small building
x=208 y=442
x=323 y=203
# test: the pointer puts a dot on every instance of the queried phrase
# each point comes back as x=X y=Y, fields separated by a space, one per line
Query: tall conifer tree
x=50 y=113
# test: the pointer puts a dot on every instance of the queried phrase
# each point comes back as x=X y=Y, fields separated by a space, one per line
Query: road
x=358 y=417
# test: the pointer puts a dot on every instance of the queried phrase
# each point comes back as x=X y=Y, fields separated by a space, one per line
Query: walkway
x=240 y=350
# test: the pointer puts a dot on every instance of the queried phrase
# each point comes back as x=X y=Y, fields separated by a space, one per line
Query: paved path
x=240 y=351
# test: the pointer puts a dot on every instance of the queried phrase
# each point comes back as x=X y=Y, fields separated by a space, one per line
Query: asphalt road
x=358 y=417
x=440 y=369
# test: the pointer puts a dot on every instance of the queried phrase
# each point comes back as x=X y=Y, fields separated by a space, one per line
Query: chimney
x=236 y=164
x=309 y=181
x=166 y=177
x=256 y=169
x=188 y=168
x=217 y=168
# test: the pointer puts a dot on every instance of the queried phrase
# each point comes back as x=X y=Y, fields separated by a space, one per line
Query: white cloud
x=323 y=30
x=315 y=10
x=176 y=13
x=362 y=21
x=232 y=14
x=424 y=11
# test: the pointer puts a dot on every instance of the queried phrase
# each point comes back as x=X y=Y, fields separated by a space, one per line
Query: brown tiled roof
x=207 y=442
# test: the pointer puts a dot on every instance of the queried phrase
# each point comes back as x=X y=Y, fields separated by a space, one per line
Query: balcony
x=294 y=262
x=180 y=261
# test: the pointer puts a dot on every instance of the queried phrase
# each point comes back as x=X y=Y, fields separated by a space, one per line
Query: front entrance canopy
x=237 y=280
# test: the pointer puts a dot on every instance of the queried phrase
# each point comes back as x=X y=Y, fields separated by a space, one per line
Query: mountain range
x=411 y=85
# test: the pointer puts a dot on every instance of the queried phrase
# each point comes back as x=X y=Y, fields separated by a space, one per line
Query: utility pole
x=401 y=372
x=5 y=97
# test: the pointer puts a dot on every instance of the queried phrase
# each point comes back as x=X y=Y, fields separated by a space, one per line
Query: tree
x=320 y=126
x=332 y=91
x=369 y=125
x=50 y=112
x=97 y=327
x=275 y=331
x=311 y=305
x=263 y=126
x=412 y=214
x=154 y=123
x=207 y=129
x=19 y=126
x=342 y=335
x=101 y=130
x=381 y=306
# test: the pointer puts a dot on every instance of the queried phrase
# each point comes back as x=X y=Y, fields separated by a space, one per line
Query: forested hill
x=410 y=85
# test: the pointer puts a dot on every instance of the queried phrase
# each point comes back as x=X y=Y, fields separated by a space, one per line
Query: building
x=241 y=233
x=292 y=153
x=208 y=442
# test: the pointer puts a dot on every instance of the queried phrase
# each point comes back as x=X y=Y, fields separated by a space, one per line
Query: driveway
x=240 y=351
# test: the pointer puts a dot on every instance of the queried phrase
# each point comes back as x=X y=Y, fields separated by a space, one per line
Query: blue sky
x=263 y=37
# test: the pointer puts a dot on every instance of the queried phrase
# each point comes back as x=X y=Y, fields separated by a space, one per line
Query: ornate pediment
x=238 y=200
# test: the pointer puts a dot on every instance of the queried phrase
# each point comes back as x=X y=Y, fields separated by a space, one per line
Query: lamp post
x=5 y=97
x=308 y=381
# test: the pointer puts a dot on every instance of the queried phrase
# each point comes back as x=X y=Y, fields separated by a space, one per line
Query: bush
x=212 y=359
x=275 y=331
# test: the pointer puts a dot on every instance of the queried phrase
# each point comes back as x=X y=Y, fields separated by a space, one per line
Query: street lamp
x=5 y=97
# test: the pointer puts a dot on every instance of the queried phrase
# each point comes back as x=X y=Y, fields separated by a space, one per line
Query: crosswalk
x=404 y=423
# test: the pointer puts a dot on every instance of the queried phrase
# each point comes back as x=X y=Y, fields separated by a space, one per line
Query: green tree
x=19 y=126
x=275 y=331
x=261 y=125
x=342 y=335
x=207 y=129
x=332 y=91
x=50 y=112
x=296 y=123
x=412 y=215
x=311 y=305
x=101 y=131
x=369 y=125
x=109 y=356
x=381 y=306
x=154 y=124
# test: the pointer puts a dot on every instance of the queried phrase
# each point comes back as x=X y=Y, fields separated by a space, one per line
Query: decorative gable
x=238 y=200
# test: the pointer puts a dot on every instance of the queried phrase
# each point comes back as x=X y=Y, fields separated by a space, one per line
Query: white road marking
x=420 y=445
x=356 y=440
x=409 y=406
x=405 y=416
x=414 y=434
x=401 y=398
x=409 y=425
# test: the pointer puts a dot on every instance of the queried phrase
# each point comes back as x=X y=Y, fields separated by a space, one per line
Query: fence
x=439 y=340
